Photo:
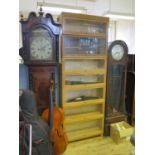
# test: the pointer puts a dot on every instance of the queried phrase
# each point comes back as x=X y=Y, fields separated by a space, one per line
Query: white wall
x=125 y=30
x=122 y=6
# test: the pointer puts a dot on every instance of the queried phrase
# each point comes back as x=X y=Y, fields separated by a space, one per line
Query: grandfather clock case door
x=40 y=78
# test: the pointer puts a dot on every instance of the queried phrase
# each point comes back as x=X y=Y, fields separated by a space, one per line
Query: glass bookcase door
x=83 y=79
x=116 y=89
x=83 y=110
x=83 y=95
x=80 y=26
x=74 y=45
x=83 y=125
x=84 y=65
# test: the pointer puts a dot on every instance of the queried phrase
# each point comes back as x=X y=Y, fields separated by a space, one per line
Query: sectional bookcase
x=84 y=68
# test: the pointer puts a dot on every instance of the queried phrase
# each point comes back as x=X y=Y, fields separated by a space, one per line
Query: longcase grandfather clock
x=40 y=37
x=116 y=84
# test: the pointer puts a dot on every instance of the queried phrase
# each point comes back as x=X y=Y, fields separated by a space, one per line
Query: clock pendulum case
x=116 y=84
x=40 y=37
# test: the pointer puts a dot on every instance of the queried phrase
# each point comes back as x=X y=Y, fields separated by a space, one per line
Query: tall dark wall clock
x=116 y=83
x=40 y=37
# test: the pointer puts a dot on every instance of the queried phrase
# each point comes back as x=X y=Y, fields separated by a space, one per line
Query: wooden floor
x=99 y=146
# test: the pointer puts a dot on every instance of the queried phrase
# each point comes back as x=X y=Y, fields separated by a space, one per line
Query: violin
x=55 y=117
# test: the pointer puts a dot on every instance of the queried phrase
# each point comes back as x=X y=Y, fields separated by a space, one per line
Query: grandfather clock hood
x=33 y=22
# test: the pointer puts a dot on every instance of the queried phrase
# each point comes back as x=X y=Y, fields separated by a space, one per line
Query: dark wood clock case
x=130 y=89
x=41 y=72
x=116 y=85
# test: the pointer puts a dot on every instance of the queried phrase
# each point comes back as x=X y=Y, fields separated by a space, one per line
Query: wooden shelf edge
x=83 y=86
x=71 y=119
x=91 y=35
x=82 y=134
x=83 y=103
x=85 y=17
x=85 y=72
x=88 y=57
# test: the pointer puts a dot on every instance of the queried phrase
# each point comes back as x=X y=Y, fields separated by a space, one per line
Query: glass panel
x=116 y=90
x=83 y=125
x=84 y=79
x=81 y=95
x=78 y=45
x=74 y=25
x=83 y=65
x=41 y=45
x=83 y=110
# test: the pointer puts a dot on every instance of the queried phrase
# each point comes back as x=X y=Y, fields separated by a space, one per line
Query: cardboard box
x=120 y=131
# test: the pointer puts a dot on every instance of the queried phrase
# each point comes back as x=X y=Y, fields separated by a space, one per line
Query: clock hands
x=117 y=54
x=43 y=47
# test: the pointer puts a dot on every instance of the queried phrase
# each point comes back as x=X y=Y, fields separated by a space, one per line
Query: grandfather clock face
x=41 y=47
x=117 y=52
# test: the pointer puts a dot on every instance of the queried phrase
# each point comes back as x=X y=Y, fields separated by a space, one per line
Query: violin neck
x=51 y=109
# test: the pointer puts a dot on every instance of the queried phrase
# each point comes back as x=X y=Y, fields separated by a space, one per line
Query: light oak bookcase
x=84 y=68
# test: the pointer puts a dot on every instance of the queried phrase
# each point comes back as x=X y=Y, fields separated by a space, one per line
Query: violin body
x=57 y=134
x=54 y=116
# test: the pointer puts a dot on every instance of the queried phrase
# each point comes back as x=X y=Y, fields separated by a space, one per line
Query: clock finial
x=41 y=11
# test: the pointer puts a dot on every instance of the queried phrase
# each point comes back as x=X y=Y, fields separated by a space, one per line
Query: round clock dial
x=117 y=52
x=41 y=45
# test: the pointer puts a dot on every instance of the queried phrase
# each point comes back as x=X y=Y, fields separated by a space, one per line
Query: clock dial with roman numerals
x=41 y=45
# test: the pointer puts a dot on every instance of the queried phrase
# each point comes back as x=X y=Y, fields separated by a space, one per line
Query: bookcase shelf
x=83 y=117
x=83 y=103
x=83 y=86
x=84 y=133
x=93 y=35
x=85 y=72
x=87 y=57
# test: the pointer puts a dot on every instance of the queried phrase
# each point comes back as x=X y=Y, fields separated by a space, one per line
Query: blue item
x=23 y=77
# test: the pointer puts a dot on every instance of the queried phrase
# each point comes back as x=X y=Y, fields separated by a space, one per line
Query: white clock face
x=117 y=52
x=40 y=45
